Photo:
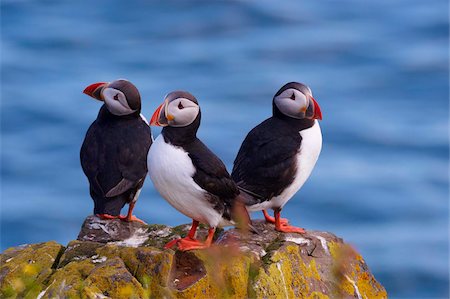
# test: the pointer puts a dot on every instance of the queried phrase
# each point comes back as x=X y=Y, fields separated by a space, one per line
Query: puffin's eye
x=180 y=106
x=293 y=96
x=116 y=97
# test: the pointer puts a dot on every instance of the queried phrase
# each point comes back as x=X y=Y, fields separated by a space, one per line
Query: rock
x=241 y=265
x=25 y=269
x=104 y=231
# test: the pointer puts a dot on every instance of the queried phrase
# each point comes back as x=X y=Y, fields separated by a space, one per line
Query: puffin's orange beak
x=94 y=90
x=317 y=111
x=158 y=117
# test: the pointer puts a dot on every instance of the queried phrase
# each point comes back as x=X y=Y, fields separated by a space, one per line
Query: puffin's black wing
x=211 y=174
x=132 y=156
x=266 y=162
x=89 y=157
x=114 y=162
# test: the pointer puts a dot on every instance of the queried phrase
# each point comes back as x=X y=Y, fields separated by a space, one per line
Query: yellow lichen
x=359 y=258
x=68 y=282
x=288 y=275
x=270 y=284
x=28 y=268
x=369 y=287
x=114 y=279
x=227 y=270
x=312 y=267
x=334 y=249
x=347 y=286
x=93 y=270
x=318 y=295
x=203 y=287
x=151 y=267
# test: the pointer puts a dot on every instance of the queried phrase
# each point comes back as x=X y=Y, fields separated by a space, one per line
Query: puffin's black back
x=267 y=160
x=114 y=159
x=210 y=172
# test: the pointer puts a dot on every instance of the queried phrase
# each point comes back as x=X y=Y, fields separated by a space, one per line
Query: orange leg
x=130 y=216
x=191 y=235
x=270 y=219
x=284 y=227
x=189 y=242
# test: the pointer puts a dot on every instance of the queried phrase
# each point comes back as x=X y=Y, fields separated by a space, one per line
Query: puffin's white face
x=115 y=94
x=116 y=101
x=181 y=112
x=179 y=109
x=292 y=102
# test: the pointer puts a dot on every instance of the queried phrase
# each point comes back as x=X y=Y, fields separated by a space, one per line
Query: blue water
x=378 y=69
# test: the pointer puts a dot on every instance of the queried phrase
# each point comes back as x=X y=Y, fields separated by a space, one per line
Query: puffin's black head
x=295 y=100
x=121 y=97
x=179 y=109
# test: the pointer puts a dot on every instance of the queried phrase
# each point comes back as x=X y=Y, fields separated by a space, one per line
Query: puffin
x=278 y=155
x=188 y=174
x=114 y=152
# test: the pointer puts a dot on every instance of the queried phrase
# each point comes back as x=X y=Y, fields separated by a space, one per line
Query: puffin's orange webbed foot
x=171 y=243
x=285 y=228
x=270 y=219
x=185 y=244
x=107 y=216
x=130 y=218
x=189 y=242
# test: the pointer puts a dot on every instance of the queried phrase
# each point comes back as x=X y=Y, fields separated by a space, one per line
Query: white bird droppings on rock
x=100 y=296
x=163 y=232
x=282 y=278
x=263 y=252
x=355 y=286
x=324 y=244
x=41 y=294
x=136 y=240
x=297 y=240
x=96 y=260
x=79 y=258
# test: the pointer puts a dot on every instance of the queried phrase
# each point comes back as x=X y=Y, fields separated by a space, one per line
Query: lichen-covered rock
x=25 y=269
x=239 y=265
x=112 y=279
x=68 y=281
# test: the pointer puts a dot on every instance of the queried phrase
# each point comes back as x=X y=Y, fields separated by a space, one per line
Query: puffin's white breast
x=171 y=170
x=307 y=156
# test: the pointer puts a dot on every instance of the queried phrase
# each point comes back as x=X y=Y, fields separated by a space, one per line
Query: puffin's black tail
x=248 y=197
x=109 y=205
x=241 y=216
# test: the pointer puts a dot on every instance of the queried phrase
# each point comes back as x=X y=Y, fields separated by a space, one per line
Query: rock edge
x=113 y=259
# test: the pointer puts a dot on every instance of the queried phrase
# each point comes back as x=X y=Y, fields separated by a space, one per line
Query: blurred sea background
x=378 y=69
